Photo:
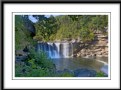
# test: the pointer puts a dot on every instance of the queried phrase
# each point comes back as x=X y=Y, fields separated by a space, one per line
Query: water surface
x=98 y=64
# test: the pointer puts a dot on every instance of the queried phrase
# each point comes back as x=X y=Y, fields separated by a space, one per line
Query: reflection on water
x=78 y=63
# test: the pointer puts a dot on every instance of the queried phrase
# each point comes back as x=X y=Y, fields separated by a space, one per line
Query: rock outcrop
x=98 y=47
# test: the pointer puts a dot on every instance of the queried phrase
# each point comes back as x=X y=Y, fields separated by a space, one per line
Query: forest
x=69 y=27
x=52 y=29
x=66 y=27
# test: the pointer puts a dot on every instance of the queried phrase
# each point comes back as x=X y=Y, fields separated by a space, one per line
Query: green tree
x=45 y=28
x=22 y=34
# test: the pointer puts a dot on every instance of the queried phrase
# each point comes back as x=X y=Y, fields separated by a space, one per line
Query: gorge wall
x=68 y=49
x=98 y=47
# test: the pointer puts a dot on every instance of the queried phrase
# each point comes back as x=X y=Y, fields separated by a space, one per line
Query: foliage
x=64 y=27
x=100 y=74
x=22 y=35
x=28 y=71
x=60 y=28
x=65 y=74
x=70 y=27
x=45 y=28
x=89 y=24
x=36 y=65
x=40 y=58
x=86 y=35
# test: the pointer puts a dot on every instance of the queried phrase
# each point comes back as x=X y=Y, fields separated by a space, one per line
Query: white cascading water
x=56 y=50
x=58 y=47
x=53 y=52
x=49 y=50
x=66 y=50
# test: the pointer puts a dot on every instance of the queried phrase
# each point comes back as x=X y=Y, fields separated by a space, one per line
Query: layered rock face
x=97 y=48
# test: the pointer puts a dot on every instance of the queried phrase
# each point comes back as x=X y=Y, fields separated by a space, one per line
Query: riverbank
x=26 y=70
x=61 y=67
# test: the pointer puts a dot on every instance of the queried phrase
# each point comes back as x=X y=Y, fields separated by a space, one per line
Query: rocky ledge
x=96 y=48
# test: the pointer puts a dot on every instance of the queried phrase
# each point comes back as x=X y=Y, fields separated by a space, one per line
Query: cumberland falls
x=56 y=50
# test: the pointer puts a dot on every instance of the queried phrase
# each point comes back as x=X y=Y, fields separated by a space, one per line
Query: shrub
x=100 y=74
x=66 y=74
x=37 y=65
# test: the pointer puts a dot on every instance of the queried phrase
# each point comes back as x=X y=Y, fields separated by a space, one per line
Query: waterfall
x=66 y=50
x=58 y=47
x=56 y=50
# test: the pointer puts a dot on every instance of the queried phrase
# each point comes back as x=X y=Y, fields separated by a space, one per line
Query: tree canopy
x=70 y=27
x=63 y=27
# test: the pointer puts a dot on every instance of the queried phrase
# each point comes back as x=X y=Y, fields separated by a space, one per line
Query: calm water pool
x=98 y=64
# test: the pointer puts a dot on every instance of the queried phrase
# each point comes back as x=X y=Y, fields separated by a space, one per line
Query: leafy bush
x=70 y=26
x=22 y=35
x=100 y=74
x=66 y=74
x=40 y=58
x=36 y=65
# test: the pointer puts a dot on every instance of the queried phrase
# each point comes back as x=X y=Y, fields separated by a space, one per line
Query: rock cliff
x=98 y=47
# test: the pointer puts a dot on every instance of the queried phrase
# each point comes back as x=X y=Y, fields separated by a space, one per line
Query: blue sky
x=35 y=20
x=32 y=19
